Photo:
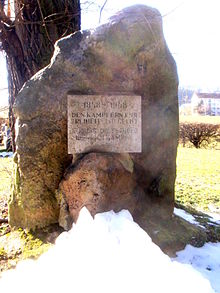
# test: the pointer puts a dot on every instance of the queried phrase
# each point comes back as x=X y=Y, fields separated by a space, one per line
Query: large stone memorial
x=122 y=153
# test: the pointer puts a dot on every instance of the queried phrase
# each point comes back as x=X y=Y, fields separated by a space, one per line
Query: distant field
x=200 y=119
x=198 y=178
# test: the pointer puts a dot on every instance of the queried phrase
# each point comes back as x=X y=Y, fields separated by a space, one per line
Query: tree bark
x=29 y=39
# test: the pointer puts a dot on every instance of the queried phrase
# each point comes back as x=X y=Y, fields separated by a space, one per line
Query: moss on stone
x=34 y=246
x=20 y=244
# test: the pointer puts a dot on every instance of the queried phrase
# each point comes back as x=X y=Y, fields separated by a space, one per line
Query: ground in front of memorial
x=197 y=188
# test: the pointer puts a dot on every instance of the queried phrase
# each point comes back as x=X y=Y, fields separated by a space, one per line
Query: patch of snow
x=186 y=216
x=206 y=260
x=216 y=224
x=213 y=221
x=110 y=254
x=6 y=154
x=214 y=217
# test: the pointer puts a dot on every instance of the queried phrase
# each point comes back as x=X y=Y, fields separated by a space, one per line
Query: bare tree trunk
x=29 y=39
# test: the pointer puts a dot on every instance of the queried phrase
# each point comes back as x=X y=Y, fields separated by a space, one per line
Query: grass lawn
x=197 y=183
x=5 y=179
x=198 y=178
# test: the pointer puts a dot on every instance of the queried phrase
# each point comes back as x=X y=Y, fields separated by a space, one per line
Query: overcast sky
x=192 y=31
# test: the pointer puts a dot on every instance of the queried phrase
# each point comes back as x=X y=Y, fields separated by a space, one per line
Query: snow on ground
x=6 y=154
x=214 y=218
x=205 y=260
x=111 y=253
x=214 y=215
x=186 y=216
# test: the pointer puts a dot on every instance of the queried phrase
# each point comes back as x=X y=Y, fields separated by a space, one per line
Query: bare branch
x=42 y=16
x=46 y=20
x=173 y=10
x=197 y=133
x=89 y=4
x=100 y=13
x=4 y=19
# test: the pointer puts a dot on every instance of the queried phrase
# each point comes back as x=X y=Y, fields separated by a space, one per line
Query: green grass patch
x=198 y=178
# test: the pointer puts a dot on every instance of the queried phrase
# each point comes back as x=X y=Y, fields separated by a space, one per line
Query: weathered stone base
x=100 y=182
x=171 y=233
x=103 y=182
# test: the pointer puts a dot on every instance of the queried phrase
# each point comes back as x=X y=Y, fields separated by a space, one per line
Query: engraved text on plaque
x=105 y=123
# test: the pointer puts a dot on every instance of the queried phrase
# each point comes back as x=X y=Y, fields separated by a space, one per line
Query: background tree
x=198 y=133
x=27 y=35
x=184 y=95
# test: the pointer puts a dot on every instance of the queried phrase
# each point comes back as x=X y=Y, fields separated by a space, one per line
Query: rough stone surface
x=127 y=55
x=101 y=183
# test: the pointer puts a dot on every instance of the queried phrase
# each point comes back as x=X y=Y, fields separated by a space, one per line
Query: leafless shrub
x=198 y=133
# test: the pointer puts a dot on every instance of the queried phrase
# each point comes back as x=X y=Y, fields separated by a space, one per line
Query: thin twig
x=171 y=11
x=4 y=18
x=40 y=22
x=100 y=13
x=42 y=16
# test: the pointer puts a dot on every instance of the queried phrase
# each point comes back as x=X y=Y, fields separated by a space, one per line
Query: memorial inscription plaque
x=107 y=123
